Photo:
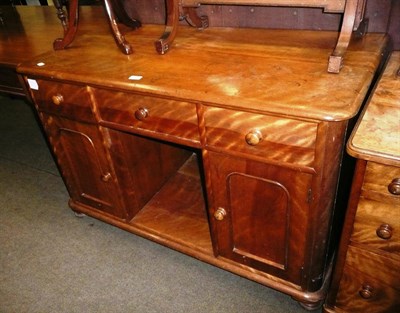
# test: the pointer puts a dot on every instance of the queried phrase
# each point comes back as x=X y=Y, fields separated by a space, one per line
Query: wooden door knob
x=385 y=231
x=254 y=137
x=57 y=99
x=141 y=114
x=366 y=291
x=394 y=187
x=219 y=214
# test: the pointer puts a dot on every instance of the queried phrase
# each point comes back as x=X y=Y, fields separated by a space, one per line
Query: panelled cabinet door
x=80 y=154
x=259 y=214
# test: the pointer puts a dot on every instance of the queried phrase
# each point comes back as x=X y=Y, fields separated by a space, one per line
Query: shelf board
x=177 y=213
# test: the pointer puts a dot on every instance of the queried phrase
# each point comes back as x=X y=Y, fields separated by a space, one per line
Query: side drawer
x=149 y=114
x=377 y=225
x=269 y=137
x=382 y=183
x=64 y=100
x=370 y=283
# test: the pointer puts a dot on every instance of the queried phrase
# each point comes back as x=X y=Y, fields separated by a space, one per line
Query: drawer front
x=370 y=283
x=149 y=114
x=382 y=183
x=384 y=299
x=377 y=225
x=64 y=100
x=380 y=267
x=280 y=139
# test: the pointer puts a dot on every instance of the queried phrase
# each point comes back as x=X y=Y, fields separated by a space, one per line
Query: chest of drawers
x=367 y=275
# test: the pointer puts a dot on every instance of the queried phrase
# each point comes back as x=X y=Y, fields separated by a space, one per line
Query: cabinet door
x=259 y=214
x=82 y=160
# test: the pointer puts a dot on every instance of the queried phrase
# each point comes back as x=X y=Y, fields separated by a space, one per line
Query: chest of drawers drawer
x=369 y=283
x=377 y=226
x=70 y=101
x=280 y=139
x=149 y=114
x=382 y=183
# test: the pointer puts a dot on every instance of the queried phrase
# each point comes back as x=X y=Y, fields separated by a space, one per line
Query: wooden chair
x=115 y=13
x=352 y=10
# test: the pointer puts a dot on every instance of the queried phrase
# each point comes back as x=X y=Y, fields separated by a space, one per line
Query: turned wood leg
x=349 y=17
x=61 y=13
x=123 y=45
x=193 y=19
x=163 y=44
x=70 y=26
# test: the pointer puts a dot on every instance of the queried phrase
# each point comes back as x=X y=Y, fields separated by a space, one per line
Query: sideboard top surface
x=377 y=134
x=280 y=72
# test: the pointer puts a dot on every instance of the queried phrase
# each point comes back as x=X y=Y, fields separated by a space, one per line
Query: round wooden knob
x=394 y=187
x=106 y=177
x=141 y=114
x=57 y=99
x=366 y=291
x=254 y=137
x=385 y=231
x=219 y=214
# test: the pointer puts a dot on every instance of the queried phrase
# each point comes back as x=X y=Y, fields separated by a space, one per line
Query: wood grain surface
x=279 y=72
x=378 y=133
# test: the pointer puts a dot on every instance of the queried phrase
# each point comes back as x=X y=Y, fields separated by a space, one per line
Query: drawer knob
x=106 y=177
x=394 y=187
x=366 y=291
x=141 y=114
x=254 y=137
x=219 y=214
x=57 y=99
x=385 y=231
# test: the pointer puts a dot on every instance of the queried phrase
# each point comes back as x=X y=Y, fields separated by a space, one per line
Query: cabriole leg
x=163 y=44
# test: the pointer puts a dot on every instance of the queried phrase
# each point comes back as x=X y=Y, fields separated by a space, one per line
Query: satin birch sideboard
x=228 y=148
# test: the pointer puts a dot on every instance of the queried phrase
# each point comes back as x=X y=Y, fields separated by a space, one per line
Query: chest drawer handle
x=394 y=187
x=366 y=292
x=254 y=137
x=385 y=231
x=57 y=99
x=141 y=114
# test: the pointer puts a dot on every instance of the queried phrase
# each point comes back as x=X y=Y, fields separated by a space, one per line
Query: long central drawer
x=149 y=115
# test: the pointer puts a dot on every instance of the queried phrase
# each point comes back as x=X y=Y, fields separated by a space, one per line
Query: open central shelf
x=177 y=212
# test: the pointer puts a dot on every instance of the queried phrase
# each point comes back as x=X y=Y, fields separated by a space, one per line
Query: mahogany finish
x=366 y=278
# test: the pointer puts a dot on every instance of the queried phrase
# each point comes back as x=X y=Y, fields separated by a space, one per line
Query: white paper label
x=135 y=77
x=33 y=84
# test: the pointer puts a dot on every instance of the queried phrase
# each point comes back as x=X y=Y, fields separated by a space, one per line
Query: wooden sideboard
x=227 y=149
x=366 y=277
